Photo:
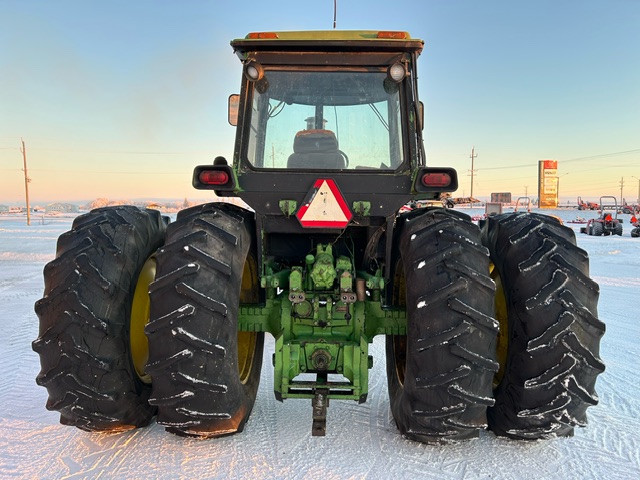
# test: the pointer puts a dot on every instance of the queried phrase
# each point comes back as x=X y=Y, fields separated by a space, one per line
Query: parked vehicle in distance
x=608 y=222
x=587 y=205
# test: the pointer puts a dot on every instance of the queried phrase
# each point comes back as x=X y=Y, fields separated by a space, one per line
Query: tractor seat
x=316 y=149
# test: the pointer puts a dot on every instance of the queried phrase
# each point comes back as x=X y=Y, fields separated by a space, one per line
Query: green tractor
x=485 y=327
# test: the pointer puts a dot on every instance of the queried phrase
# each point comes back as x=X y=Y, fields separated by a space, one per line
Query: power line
x=614 y=154
x=90 y=172
x=571 y=160
x=122 y=152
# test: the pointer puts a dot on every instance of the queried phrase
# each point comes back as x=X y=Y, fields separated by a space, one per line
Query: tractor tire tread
x=554 y=332
x=193 y=327
x=83 y=315
x=451 y=332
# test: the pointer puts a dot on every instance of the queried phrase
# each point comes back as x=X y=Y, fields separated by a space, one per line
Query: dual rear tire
x=205 y=373
x=85 y=316
x=550 y=333
x=502 y=324
x=519 y=354
x=96 y=315
x=439 y=375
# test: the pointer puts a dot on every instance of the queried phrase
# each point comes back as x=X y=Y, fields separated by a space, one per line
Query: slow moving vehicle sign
x=324 y=207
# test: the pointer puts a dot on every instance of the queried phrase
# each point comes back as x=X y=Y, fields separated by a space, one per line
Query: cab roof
x=329 y=40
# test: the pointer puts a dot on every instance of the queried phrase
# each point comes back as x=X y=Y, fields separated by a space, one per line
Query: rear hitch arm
x=319 y=403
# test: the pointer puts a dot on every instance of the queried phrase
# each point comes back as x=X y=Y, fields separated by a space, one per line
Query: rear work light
x=254 y=71
x=396 y=72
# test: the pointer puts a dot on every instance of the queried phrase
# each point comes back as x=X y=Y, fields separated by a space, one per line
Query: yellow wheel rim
x=247 y=341
x=502 y=347
x=140 y=309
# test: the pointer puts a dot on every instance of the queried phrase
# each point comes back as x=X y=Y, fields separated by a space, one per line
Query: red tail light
x=218 y=177
x=214 y=177
x=437 y=180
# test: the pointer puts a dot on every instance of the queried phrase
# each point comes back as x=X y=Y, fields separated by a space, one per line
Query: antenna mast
x=335 y=9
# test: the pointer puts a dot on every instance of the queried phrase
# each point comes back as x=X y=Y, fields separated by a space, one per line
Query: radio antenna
x=335 y=8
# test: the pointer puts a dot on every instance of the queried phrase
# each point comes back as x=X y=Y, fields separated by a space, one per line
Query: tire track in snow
x=617 y=281
x=18 y=362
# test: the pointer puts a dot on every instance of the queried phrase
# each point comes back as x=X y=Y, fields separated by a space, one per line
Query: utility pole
x=26 y=181
x=638 y=199
x=621 y=185
x=473 y=156
x=558 y=186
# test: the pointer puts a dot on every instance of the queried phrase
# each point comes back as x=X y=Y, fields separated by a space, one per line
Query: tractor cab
x=333 y=104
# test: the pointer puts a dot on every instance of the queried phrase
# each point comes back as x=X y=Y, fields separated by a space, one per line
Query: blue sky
x=121 y=99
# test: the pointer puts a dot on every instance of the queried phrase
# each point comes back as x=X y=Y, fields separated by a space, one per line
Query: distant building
x=4 y=208
x=61 y=208
x=501 y=197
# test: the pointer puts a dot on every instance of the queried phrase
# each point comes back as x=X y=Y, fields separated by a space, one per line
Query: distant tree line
x=172 y=206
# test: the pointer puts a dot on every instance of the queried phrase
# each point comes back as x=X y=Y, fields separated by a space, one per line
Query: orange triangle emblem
x=324 y=207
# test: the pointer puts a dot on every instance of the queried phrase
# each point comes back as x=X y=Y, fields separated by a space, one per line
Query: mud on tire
x=205 y=374
x=83 y=341
x=550 y=333
x=440 y=375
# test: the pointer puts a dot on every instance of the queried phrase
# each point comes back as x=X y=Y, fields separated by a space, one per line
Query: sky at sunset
x=121 y=99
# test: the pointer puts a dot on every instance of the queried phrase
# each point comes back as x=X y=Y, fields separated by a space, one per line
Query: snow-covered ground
x=362 y=440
